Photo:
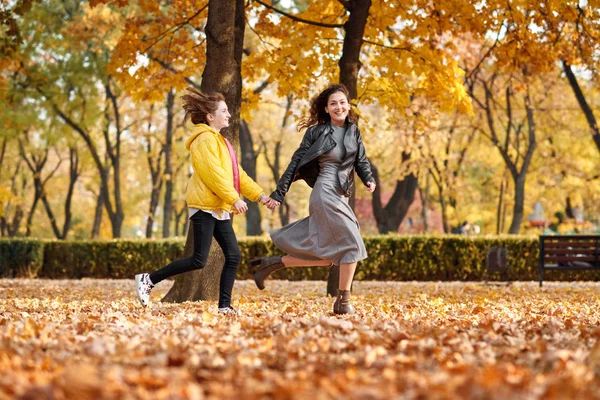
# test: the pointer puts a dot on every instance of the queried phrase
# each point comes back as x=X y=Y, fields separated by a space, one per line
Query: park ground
x=90 y=339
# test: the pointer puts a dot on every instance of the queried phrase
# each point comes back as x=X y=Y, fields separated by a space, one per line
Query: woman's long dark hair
x=198 y=105
x=317 y=113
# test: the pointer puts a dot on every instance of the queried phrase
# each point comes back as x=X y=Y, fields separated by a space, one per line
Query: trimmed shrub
x=21 y=258
x=117 y=258
x=391 y=258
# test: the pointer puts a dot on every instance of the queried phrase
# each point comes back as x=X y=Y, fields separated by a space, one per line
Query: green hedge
x=21 y=258
x=107 y=258
x=391 y=257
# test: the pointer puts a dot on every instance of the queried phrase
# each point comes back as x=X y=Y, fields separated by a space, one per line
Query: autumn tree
x=222 y=73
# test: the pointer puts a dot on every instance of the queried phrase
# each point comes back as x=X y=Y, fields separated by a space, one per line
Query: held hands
x=269 y=202
x=371 y=186
x=240 y=206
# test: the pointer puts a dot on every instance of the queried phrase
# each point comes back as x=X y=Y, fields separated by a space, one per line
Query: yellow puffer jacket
x=211 y=185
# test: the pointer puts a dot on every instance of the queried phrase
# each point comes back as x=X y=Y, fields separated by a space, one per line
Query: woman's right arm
x=285 y=181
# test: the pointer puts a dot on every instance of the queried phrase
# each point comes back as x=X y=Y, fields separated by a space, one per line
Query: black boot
x=268 y=265
x=342 y=303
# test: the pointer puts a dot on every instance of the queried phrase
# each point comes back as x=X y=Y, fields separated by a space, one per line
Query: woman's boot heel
x=342 y=303
x=268 y=265
x=255 y=262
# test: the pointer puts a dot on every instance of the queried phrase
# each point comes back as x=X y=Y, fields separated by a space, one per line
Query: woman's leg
x=346 y=275
x=204 y=226
x=342 y=303
x=268 y=265
x=225 y=236
x=290 y=261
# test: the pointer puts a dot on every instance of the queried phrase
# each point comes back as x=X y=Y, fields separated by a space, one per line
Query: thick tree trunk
x=354 y=30
x=222 y=73
x=168 y=204
x=520 y=177
x=583 y=104
x=518 y=213
x=248 y=161
x=390 y=217
x=515 y=225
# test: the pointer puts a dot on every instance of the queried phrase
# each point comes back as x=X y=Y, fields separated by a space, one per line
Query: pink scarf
x=234 y=166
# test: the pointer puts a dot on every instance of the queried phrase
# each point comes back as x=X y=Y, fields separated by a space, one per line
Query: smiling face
x=219 y=119
x=337 y=108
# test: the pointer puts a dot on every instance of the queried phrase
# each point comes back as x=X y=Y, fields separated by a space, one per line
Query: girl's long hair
x=198 y=105
x=317 y=114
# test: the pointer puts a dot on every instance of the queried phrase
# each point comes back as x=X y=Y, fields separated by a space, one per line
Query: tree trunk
x=222 y=73
x=424 y=195
x=168 y=204
x=354 y=30
x=152 y=207
x=500 y=207
x=114 y=153
x=520 y=177
x=517 y=218
x=98 y=214
x=178 y=216
x=390 y=217
x=7 y=227
x=444 y=207
x=248 y=161
x=74 y=173
x=349 y=64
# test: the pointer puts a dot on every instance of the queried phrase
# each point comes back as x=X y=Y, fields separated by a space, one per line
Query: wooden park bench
x=569 y=253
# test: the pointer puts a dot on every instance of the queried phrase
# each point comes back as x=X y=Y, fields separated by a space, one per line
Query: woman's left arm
x=362 y=165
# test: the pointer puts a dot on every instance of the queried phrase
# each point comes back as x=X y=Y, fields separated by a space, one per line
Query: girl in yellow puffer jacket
x=214 y=191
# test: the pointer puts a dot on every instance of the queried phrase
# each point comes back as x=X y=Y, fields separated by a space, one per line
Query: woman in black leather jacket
x=330 y=152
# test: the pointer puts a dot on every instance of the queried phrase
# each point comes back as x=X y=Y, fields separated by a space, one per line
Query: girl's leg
x=204 y=226
x=225 y=236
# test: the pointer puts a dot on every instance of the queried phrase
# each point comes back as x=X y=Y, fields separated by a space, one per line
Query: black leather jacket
x=318 y=140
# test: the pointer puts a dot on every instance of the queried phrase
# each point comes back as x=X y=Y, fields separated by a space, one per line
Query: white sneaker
x=228 y=311
x=143 y=287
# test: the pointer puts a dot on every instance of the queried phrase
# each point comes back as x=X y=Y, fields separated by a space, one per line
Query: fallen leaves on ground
x=91 y=339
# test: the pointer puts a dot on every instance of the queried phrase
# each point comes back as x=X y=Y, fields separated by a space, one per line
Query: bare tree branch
x=298 y=19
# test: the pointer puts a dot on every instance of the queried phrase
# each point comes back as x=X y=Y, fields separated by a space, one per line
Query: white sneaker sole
x=138 y=284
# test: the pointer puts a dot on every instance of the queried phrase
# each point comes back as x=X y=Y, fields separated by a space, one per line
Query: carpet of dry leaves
x=90 y=339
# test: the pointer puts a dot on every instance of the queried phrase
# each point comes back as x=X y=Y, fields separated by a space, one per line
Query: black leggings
x=205 y=226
